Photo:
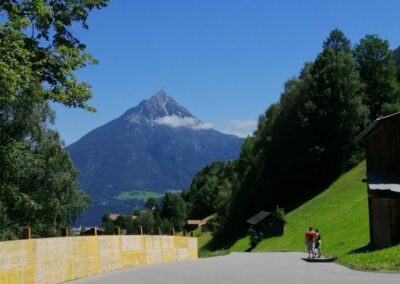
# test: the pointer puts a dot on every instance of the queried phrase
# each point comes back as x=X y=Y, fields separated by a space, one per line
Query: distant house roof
x=370 y=128
x=383 y=181
x=261 y=216
x=114 y=216
x=196 y=222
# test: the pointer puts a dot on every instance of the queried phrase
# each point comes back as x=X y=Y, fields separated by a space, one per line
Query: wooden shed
x=382 y=147
x=267 y=223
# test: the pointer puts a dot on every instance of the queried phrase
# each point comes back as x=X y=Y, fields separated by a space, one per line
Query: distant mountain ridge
x=156 y=146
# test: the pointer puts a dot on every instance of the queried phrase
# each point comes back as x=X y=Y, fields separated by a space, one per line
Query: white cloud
x=241 y=128
x=189 y=122
x=204 y=125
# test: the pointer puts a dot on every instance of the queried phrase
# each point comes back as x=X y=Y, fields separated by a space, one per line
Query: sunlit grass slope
x=386 y=259
x=340 y=213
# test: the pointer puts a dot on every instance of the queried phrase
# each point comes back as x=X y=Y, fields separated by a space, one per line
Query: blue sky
x=225 y=61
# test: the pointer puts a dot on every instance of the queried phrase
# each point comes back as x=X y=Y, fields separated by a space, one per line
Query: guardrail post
x=172 y=232
x=27 y=233
x=93 y=231
x=192 y=234
x=159 y=231
x=140 y=230
x=117 y=230
x=64 y=232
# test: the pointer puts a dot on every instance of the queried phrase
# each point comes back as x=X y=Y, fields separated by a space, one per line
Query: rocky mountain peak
x=160 y=97
x=158 y=106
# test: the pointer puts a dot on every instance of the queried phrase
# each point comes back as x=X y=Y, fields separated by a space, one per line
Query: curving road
x=245 y=268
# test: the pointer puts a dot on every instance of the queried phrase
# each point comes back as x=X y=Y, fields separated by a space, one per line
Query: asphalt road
x=245 y=268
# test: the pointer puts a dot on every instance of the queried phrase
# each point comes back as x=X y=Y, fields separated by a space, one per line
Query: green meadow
x=141 y=195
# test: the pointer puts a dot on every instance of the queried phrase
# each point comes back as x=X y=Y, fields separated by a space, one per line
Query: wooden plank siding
x=381 y=236
x=383 y=146
x=395 y=220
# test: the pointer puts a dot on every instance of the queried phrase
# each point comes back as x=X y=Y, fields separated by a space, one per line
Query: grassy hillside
x=341 y=215
x=386 y=259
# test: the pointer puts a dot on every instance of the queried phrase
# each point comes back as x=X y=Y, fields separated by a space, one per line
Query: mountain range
x=152 y=148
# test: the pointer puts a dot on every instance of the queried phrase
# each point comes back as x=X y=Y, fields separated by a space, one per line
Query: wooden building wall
x=395 y=219
x=383 y=155
x=270 y=226
x=385 y=221
x=383 y=146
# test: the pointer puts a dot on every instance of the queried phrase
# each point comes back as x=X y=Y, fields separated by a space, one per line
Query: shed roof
x=196 y=222
x=383 y=181
x=370 y=128
x=261 y=216
x=114 y=216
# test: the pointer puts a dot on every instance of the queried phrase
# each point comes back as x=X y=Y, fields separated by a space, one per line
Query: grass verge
x=204 y=242
x=385 y=259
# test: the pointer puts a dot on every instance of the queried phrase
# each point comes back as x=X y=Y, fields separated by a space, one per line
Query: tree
x=151 y=204
x=202 y=194
x=53 y=188
x=39 y=55
x=126 y=223
x=107 y=225
x=47 y=55
x=396 y=55
x=173 y=208
x=303 y=142
x=333 y=107
x=378 y=72
x=147 y=221
x=280 y=212
x=255 y=237
x=337 y=42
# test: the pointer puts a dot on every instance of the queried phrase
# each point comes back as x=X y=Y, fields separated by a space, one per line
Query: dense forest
x=306 y=140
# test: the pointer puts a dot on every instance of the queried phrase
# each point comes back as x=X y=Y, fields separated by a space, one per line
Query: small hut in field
x=267 y=224
x=382 y=147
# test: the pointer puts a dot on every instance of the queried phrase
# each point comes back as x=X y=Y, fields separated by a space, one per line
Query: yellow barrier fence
x=56 y=260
